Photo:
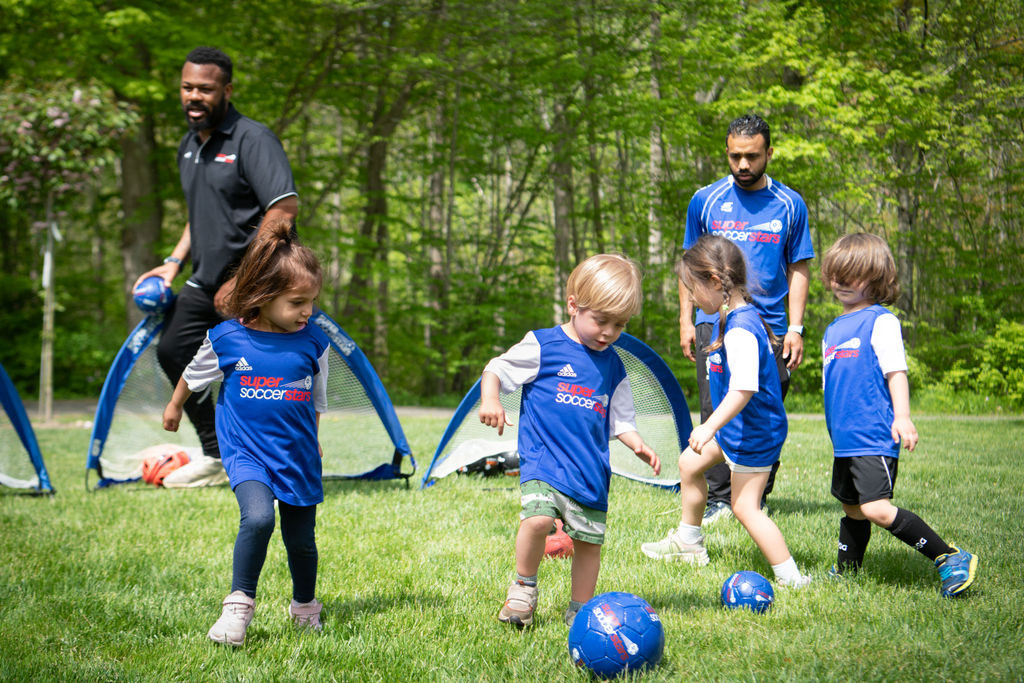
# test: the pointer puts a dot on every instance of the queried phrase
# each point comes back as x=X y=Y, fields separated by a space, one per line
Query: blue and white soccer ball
x=616 y=632
x=748 y=590
x=153 y=295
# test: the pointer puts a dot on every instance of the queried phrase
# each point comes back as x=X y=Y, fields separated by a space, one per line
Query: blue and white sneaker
x=957 y=571
x=716 y=511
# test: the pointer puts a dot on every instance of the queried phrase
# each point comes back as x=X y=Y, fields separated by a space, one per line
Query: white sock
x=687 y=533
x=787 y=571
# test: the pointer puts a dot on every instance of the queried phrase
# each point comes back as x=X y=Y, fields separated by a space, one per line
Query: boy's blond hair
x=861 y=257
x=607 y=283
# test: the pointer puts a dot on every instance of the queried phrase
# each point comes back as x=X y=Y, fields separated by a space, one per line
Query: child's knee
x=879 y=512
x=259 y=522
x=538 y=524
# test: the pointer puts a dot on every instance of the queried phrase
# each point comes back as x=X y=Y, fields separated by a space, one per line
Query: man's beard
x=211 y=120
x=750 y=180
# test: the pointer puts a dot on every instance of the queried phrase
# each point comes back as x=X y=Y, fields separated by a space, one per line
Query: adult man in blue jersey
x=235 y=176
x=768 y=222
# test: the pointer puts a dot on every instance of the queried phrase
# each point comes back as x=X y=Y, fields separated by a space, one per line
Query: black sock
x=854 y=535
x=913 y=531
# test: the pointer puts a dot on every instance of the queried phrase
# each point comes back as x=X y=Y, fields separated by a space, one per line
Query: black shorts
x=864 y=478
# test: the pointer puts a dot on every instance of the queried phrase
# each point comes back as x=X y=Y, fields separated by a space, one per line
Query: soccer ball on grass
x=748 y=590
x=614 y=633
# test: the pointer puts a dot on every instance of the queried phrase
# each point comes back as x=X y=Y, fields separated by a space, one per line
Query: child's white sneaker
x=306 y=614
x=671 y=548
x=798 y=582
x=234 y=619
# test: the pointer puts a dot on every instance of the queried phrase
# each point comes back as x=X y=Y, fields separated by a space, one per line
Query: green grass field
x=123 y=584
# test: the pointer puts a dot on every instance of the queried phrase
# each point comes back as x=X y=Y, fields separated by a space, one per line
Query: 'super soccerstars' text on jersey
x=273 y=385
x=755 y=436
x=229 y=182
x=858 y=350
x=770 y=228
x=574 y=400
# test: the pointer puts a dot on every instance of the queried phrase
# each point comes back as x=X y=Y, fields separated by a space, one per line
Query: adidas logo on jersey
x=242 y=365
x=567 y=371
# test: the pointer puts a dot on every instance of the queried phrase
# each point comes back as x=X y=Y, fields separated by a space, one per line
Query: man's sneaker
x=671 y=548
x=234 y=619
x=306 y=614
x=957 y=571
x=716 y=511
x=519 y=605
x=202 y=471
x=570 y=616
x=798 y=582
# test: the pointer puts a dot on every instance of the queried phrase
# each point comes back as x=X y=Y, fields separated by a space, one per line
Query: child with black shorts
x=867 y=410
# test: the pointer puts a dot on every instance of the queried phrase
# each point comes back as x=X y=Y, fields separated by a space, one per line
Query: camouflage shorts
x=580 y=522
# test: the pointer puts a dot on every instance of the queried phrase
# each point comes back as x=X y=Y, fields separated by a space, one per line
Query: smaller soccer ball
x=153 y=295
x=614 y=633
x=557 y=543
x=748 y=590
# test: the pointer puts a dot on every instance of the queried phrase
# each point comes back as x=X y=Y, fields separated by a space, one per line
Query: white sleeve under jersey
x=517 y=366
x=741 y=352
x=887 y=343
x=204 y=368
x=621 y=413
x=320 y=382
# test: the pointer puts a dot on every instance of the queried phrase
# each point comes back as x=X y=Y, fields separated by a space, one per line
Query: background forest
x=455 y=159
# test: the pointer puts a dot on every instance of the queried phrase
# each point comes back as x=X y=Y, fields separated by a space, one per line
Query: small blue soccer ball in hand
x=748 y=590
x=614 y=633
x=153 y=295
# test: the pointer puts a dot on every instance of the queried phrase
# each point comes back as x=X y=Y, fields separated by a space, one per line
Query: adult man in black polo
x=235 y=175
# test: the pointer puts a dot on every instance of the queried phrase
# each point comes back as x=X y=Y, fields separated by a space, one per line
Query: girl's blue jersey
x=755 y=436
x=770 y=228
x=273 y=386
x=858 y=406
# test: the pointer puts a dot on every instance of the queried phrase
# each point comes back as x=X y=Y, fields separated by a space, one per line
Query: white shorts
x=733 y=467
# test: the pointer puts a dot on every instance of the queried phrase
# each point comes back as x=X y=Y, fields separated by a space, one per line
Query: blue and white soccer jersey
x=745 y=362
x=770 y=228
x=859 y=349
x=574 y=398
x=273 y=385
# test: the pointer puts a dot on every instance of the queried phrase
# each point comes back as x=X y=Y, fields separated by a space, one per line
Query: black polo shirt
x=229 y=182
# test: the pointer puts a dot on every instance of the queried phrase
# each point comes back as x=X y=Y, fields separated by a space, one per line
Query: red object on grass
x=558 y=543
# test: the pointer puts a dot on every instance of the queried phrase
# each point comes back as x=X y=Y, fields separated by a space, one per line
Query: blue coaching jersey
x=273 y=386
x=770 y=228
x=755 y=436
x=567 y=414
x=858 y=406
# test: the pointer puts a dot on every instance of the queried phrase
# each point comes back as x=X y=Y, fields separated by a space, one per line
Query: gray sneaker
x=235 y=616
x=671 y=548
x=519 y=605
x=202 y=471
x=716 y=511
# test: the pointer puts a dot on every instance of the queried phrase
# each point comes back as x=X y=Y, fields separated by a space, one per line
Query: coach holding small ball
x=235 y=176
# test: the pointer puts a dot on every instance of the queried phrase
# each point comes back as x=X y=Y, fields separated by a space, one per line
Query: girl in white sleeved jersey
x=272 y=367
x=748 y=425
x=867 y=410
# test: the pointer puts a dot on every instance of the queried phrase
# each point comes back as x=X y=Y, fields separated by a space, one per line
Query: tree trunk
x=143 y=211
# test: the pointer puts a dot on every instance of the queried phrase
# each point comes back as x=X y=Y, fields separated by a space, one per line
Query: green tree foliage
x=455 y=158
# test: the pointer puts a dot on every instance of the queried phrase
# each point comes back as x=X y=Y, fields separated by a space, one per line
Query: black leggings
x=298 y=525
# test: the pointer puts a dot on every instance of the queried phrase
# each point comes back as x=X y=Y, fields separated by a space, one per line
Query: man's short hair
x=211 y=55
x=751 y=125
